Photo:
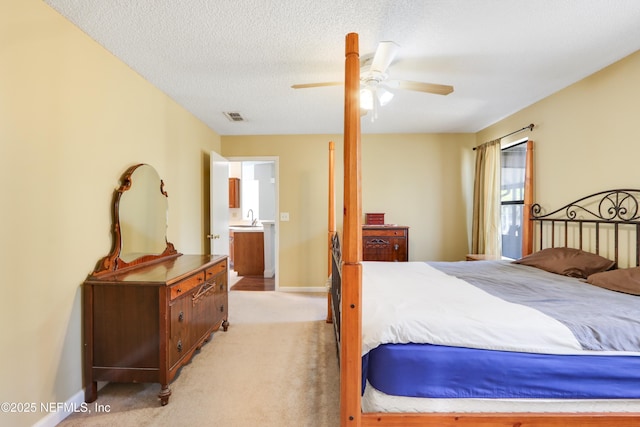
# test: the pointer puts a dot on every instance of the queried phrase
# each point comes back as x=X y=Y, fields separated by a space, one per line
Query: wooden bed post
x=351 y=323
x=332 y=225
x=527 y=224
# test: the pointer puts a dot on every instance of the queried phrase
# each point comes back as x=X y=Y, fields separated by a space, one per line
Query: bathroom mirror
x=140 y=209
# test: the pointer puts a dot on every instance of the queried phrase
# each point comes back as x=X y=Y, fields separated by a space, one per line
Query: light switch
x=284 y=216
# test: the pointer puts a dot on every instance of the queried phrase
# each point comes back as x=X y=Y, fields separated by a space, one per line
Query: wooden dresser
x=385 y=243
x=146 y=307
x=142 y=325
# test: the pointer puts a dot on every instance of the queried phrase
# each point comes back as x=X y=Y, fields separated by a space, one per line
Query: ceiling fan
x=375 y=82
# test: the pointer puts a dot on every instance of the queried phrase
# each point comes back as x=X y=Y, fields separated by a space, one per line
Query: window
x=512 y=176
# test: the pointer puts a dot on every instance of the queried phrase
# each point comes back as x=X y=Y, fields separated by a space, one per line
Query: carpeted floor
x=275 y=366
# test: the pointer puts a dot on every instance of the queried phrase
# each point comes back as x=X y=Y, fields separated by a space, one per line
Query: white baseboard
x=58 y=411
x=269 y=273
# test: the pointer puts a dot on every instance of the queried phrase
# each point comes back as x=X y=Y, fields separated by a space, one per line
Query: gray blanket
x=600 y=319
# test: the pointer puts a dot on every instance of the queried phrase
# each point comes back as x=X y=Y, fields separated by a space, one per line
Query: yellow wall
x=72 y=119
x=303 y=183
x=417 y=180
x=421 y=181
x=586 y=138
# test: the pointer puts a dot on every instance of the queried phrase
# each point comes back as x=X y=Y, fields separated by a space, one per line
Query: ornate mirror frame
x=114 y=262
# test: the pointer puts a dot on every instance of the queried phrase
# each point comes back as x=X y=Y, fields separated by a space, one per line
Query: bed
x=377 y=345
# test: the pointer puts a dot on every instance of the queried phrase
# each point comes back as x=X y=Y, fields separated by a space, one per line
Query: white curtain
x=486 y=237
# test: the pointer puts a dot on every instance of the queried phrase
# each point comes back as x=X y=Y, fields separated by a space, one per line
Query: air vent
x=234 y=116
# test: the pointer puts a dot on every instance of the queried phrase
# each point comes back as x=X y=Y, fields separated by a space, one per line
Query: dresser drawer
x=186 y=285
x=220 y=284
x=384 y=232
x=215 y=269
x=179 y=329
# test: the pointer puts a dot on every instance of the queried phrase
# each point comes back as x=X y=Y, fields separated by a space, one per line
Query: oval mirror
x=143 y=215
x=140 y=209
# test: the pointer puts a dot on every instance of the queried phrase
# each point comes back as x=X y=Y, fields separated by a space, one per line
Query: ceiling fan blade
x=422 y=87
x=383 y=57
x=307 y=85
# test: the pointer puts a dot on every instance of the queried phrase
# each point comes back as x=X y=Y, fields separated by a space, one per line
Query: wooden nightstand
x=385 y=243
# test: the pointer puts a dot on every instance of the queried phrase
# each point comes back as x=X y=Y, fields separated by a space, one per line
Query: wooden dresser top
x=159 y=273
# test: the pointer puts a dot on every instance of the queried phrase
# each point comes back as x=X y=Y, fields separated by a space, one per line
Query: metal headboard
x=596 y=223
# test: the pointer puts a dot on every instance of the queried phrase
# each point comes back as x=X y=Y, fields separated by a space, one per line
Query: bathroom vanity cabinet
x=248 y=252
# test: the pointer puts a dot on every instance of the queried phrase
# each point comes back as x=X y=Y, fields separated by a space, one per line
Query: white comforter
x=414 y=302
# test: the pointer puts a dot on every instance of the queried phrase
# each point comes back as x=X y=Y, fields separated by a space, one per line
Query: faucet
x=253 y=221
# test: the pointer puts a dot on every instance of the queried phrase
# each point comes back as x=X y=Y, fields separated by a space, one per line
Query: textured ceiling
x=244 y=55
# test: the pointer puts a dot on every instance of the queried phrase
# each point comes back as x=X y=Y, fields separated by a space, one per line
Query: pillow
x=567 y=261
x=625 y=280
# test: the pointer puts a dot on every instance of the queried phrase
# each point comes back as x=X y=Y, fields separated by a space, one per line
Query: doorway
x=253 y=228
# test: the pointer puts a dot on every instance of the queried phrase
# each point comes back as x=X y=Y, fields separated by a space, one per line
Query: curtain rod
x=530 y=127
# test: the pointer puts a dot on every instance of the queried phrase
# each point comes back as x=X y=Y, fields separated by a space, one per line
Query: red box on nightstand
x=374 y=219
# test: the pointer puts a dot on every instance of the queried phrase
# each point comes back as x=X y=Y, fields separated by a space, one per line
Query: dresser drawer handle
x=181 y=316
x=377 y=243
x=179 y=346
x=222 y=308
x=202 y=292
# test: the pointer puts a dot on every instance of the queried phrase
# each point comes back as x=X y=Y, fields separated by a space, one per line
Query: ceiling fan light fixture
x=373 y=76
x=384 y=96
x=366 y=98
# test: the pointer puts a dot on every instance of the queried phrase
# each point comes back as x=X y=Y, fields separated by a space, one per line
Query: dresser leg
x=91 y=392
x=164 y=394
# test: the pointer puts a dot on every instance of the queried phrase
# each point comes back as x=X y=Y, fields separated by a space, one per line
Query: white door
x=219 y=221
